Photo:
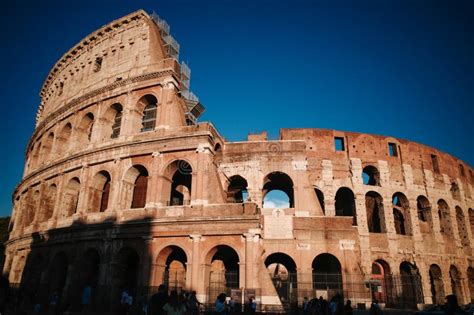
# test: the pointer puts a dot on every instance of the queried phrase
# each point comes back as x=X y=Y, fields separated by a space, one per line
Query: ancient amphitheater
x=123 y=188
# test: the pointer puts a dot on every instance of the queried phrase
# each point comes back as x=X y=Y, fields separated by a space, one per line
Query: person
x=126 y=302
x=306 y=305
x=375 y=308
x=333 y=306
x=253 y=305
x=452 y=307
x=158 y=300
x=193 y=303
x=53 y=303
x=348 y=308
x=175 y=305
x=220 y=304
x=86 y=298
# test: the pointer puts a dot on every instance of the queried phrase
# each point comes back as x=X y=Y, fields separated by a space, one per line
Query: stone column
x=195 y=263
x=82 y=203
x=251 y=245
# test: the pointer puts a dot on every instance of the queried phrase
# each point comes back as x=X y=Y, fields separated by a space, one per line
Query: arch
x=100 y=192
x=371 y=176
x=401 y=214
x=327 y=274
x=381 y=281
x=58 y=273
x=32 y=200
x=113 y=118
x=424 y=212
x=436 y=284
x=345 y=204
x=462 y=228
x=470 y=281
x=47 y=147
x=456 y=282
x=35 y=154
x=49 y=200
x=277 y=181
x=149 y=105
x=445 y=218
x=62 y=141
x=71 y=196
x=84 y=130
x=375 y=212
x=126 y=269
x=455 y=192
x=87 y=274
x=237 y=189
x=180 y=174
x=410 y=281
x=171 y=265
x=135 y=186
x=471 y=220
x=320 y=196
x=32 y=273
x=223 y=270
x=282 y=269
x=218 y=148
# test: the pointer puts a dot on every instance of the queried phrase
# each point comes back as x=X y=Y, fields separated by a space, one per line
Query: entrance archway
x=436 y=284
x=327 y=275
x=223 y=268
x=282 y=269
x=171 y=265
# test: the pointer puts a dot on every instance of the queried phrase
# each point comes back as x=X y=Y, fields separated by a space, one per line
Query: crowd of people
x=321 y=306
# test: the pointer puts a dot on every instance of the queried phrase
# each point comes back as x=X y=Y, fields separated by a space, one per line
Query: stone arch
x=32 y=201
x=436 y=284
x=32 y=273
x=456 y=282
x=462 y=228
x=237 y=189
x=401 y=214
x=87 y=274
x=381 y=281
x=283 y=272
x=327 y=274
x=425 y=216
x=470 y=280
x=99 y=192
x=35 y=154
x=58 y=273
x=47 y=147
x=112 y=121
x=320 y=196
x=125 y=270
x=84 y=130
x=71 y=196
x=410 y=281
x=278 y=181
x=171 y=266
x=371 y=176
x=63 y=139
x=49 y=200
x=135 y=186
x=223 y=272
x=471 y=220
x=218 y=148
x=179 y=174
x=455 y=191
x=148 y=105
x=375 y=212
x=444 y=214
x=345 y=204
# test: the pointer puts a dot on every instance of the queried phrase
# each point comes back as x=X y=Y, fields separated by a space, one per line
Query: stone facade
x=123 y=188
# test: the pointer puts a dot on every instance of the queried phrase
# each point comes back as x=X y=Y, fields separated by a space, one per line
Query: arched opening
x=49 y=200
x=47 y=147
x=134 y=187
x=84 y=130
x=424 y=214
x=237 y=190
x=32 y=199
x=375 y=213
x=171 y=268
x=35 y=154
x=32 y=273
x=63 y=140
x=149 y=104
x=456 y=283
x=410 y=282
x=371 y=176
x=87 y=276
x=320 y=196
x=58 y=273
x=470 y=281
x=100 y=191
x=445 y=218
x=126 y=271
x=282 y=269
x=455 y=192
x=381 y=281
x=462 y=228
x=223 y=270
x=471 y=220
x=278 y=191
x=218 y=149
x=116 y=115
x=327 y=274
x=345 y=204
x=71 y=196
x=181 y=182
x=436 y=284
x=401 y=214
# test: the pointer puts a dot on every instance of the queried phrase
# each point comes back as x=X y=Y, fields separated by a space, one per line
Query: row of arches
x=90 y=127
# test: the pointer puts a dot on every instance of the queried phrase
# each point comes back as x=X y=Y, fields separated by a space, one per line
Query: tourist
x=158 y=300
x=193 y=303
x=220 y=306
x=348 y=308
x=86 y=298
x=175 y=305
x=126 y=302
x=452 y=307
x=375 y=308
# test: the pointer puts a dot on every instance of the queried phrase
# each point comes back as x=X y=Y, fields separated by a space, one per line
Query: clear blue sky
x=399 y=68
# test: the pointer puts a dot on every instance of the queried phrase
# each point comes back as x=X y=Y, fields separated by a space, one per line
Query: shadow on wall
x=97 y=260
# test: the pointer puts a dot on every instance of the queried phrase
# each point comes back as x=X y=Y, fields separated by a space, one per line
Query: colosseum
x=123 y=188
